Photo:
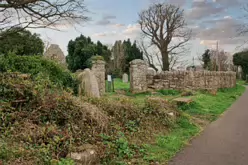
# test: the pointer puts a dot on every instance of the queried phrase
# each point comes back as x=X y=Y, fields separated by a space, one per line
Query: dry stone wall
x=192 y=80
x=178 y=79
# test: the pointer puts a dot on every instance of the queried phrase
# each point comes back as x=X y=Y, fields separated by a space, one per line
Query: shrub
x=123 y=110
x=36 y=65
x=47 y=120
x=89 y=62
x=162 y=109
x=187 y=93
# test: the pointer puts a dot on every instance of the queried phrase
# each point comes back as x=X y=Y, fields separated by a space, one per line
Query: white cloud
x=118 y=25
x=209 y=43
x=202 y=8
x=104 y=34
x=228 y=17
x=132 y=29
x=99 y=34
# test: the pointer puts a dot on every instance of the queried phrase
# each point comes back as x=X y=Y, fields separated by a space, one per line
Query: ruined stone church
x=55 y=53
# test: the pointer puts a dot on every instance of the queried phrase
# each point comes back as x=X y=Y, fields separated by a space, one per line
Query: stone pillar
x=138 y=72
x=98 y=68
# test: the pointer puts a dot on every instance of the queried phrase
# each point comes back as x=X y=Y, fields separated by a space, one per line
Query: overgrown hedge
x=38 y=66
x=40 y=123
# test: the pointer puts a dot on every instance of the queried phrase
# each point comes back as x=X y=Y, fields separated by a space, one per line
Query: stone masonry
x=192 y=80
x=138 y=73
x=55 y=53
x=98 y=68
x=178 y=79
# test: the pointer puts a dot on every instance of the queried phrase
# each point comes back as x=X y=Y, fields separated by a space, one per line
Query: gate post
x=98 y=68
x=138 y=73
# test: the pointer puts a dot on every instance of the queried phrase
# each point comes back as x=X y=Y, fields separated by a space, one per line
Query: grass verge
x=206 y=108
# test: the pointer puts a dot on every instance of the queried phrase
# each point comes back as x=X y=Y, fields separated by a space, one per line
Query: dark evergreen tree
x=241 y=59
x=206 y=60
x=82 y=49
x=21 y=43
x=132 y=52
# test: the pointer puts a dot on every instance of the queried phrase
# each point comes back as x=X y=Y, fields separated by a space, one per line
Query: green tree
x=241 y=59
x=21 y=43
x=82 y=49
x=132 y=52
x=206 y=60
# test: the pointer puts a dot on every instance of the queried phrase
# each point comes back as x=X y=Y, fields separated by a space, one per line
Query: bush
x=35 y=66
x=187 y=93
x=89 y=62
x=48 y=121
x=162 y=109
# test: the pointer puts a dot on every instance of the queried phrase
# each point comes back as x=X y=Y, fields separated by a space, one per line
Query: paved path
x=224 y=142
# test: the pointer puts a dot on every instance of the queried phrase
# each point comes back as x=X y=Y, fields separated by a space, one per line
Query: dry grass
x=47 y=117
x=51 y=123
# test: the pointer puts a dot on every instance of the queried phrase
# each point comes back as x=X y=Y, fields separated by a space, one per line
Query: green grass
x=139 y=98
x=119 y=85
x=207 y=107
x=210 y=106
x=242 y=82
x=167 y=146
x=169 y=92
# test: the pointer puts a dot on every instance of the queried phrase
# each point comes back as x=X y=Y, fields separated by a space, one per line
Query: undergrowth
x=44 y=123
x=36 y=66
x=41 y=124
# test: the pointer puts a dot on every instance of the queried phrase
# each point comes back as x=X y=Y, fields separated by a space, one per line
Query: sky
x=111 y=20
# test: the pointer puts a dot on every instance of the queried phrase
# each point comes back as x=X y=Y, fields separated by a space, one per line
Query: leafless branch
x=149 y=57
x=40 y=13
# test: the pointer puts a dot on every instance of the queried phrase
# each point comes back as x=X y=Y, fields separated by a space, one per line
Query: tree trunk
x=165 y=60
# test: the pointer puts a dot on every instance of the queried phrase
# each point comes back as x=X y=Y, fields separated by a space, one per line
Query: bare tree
x=165 y=26
x=219 y=60
x=148 y=56
x=153 y=56
x=47 y=44
x=40 y=13
x=243 y=28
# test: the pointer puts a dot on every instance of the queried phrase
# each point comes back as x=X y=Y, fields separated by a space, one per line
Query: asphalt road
x=224 y=142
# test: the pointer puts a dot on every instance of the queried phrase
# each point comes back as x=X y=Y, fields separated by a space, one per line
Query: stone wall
x=191 y=80
x=138 y=72
x=142 y=79
x=98 y=68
